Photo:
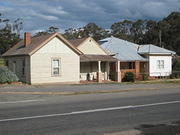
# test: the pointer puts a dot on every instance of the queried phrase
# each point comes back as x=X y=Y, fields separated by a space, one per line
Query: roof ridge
x=36 y=44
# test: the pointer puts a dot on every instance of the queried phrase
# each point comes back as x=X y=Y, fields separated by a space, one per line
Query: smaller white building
x=139 y=59
x=160 y=59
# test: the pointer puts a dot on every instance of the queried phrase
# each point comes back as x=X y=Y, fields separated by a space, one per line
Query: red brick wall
x=137 y=69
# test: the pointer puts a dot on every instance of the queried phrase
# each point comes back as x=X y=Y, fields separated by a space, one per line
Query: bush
x=6 y=76
x=129 y=77
x=145 y=77
x=175 y=75
x=176 y=67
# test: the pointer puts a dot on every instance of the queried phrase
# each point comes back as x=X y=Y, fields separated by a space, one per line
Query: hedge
x=6 y=76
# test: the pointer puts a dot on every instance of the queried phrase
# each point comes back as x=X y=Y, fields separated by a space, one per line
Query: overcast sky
x=40 y=14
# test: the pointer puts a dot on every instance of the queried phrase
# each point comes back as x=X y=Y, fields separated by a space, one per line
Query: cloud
x=5 y=9
x=45 y=17
x=56 y=10
x=75 y=13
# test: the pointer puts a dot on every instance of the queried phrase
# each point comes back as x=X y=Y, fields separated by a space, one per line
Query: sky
x=38 y=15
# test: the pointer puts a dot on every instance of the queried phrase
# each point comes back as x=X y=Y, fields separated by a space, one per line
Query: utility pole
x=160 y=40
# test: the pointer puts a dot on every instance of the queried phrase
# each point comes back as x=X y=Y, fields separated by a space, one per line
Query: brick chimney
x=27 y=39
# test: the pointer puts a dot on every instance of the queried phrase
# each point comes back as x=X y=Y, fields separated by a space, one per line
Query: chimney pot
x=27 y=39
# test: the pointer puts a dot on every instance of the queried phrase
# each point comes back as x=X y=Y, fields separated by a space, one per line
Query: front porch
x=97 y=68
x=139 y=68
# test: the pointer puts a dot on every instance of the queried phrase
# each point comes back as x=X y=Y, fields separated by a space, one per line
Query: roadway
x=93 y=114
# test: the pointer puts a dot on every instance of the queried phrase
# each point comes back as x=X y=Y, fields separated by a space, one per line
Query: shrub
x=129 y=77
x=145 y=77
x=6 y=76
x=176 y=67
x=175 y=75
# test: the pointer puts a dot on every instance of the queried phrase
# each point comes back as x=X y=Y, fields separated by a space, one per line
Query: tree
x=90 y=30
x=168 y=30
x=8 y=38
x=164 y=33
x=129 y=30
x=50 y=30
x=152 y=33
x=138 y=30
x=71 y=33
x=18 y=26
x=122 y=30
x=171 y=31
x=40 y=33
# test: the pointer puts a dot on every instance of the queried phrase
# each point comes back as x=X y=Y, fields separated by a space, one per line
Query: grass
x=66 y=93
x=176 y=81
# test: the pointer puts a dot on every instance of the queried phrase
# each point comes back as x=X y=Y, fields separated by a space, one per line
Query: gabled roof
x=121 y=49
x=36 y=44
x=77 y=42
x=152 y=49
x=80 y=42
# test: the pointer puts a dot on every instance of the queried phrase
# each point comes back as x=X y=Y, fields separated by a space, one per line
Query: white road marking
x=89 y=111
x=22 y=101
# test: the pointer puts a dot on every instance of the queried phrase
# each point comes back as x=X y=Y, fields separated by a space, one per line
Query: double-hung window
x=55 y=67
x=160 y=64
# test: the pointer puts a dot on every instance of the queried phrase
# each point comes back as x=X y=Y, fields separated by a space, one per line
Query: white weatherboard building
x=139 y=59
x=160 y=59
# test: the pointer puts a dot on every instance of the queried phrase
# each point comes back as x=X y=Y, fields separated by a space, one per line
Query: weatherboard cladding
x=121 y=49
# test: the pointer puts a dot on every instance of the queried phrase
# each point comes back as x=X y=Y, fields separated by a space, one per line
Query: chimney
x=27 y=39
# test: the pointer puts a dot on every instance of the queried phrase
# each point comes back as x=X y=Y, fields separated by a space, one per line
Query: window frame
x=23 y=66
x=52 y=68
x=160 y=64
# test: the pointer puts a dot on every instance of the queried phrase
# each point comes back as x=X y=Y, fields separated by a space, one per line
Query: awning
x=88 y=58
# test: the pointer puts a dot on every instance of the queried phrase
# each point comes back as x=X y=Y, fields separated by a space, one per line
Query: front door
x=14 y=66
x=112 y=73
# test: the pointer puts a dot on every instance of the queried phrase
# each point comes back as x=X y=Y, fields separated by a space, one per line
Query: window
x=127 y=65
x=131 y=65
x=55 y=67
x=160 y=64
x=23 y=66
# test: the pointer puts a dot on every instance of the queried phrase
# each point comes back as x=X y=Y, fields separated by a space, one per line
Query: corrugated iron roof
x=121 y=49
x=152 y=49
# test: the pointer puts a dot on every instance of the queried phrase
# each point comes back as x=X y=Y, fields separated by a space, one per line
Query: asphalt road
x=89 y=114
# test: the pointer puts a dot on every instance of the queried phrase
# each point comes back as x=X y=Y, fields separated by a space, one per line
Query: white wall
x=153 y=68
x=41 y=68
